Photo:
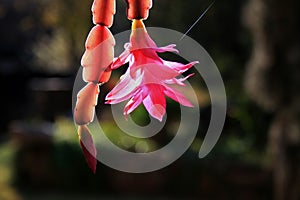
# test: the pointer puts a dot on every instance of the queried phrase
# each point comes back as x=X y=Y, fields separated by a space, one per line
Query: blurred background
x=256 y=46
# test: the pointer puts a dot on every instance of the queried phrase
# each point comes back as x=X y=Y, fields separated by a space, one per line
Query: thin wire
x=205 y=11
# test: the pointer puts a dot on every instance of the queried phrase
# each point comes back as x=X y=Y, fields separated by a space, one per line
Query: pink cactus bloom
x=148 y=78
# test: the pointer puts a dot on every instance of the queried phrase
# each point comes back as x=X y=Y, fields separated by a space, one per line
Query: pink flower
x=148 y=78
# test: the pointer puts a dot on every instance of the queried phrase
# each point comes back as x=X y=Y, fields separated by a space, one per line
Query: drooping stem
x=138 y=9
x=96 y=62
x=103 y=12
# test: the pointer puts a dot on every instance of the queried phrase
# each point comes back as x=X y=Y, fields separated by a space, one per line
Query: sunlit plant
x=148 y=79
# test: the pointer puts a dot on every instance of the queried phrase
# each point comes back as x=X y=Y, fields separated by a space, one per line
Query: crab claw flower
x=148 y=78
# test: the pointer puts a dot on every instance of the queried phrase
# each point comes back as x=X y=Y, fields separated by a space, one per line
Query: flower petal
x=179 y=67
x=121 y=60
x=178 y=81
x=139 y=37
x=169 y=48
x=155 y=102
x=177 y=96
x=134 y=102
x=146 y=55
x=158 y=72
x=124 y=88
x=155 y=110
x=124 y=98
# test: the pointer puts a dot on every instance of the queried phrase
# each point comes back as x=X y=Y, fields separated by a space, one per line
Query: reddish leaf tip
x=90 y=159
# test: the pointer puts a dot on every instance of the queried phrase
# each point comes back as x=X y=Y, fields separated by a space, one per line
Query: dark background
x=256 y=47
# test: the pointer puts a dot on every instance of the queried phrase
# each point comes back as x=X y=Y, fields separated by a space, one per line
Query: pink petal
x=146 y=55
x=155 y=102
x=88 y=147
x=135 y=70
x=124 y=88
x=177 y=96
x=134 y=102
x=115 y=101
x=179 y=67
x=87 y=99
x=141 y=40
x=155 y=110
x=169 y=48
x=121 y=60
x=158 y=71
x=178 y=81
x=142 y=56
